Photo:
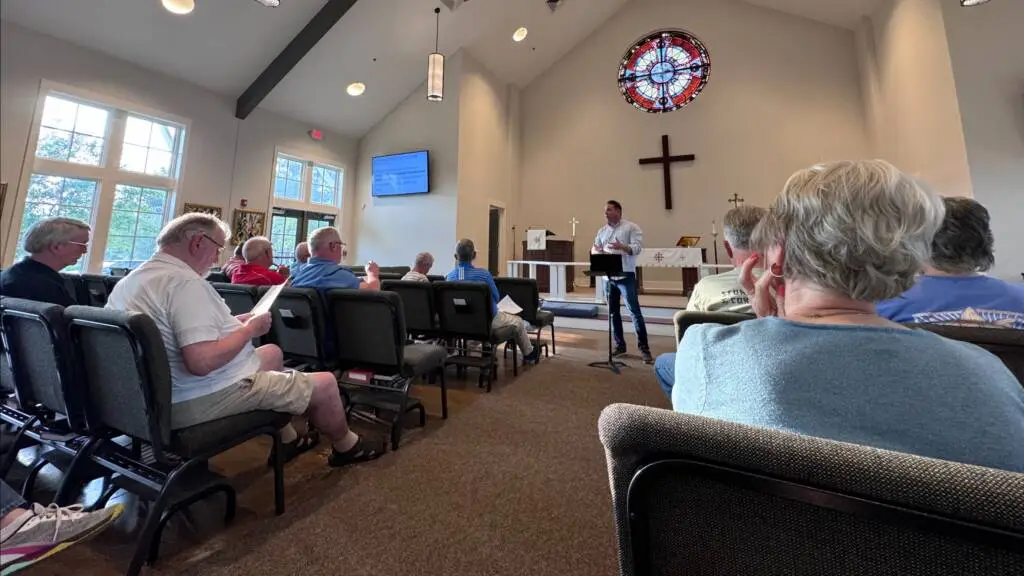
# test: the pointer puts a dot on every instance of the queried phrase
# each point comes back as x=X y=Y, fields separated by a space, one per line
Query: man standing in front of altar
x=623 y=237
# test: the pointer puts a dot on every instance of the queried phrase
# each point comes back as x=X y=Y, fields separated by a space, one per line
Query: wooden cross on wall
x=666 y=161
x=736 y=200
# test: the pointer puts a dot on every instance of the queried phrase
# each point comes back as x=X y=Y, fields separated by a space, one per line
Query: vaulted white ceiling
x=225 y=44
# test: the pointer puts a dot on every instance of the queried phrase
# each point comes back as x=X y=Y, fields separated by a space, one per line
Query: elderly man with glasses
x=324 y=270
x=52 y=245
x=215 y=370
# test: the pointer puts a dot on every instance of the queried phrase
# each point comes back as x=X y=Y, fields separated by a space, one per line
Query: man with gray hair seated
x=215 y=370
x=954 y=288
x=259 y=257
x=420 y=268
x=465 y=254
x=720 y=292
x=52 y=245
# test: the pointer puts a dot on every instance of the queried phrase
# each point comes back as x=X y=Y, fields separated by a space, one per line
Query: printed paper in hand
x=508 y=306
x=267 y=302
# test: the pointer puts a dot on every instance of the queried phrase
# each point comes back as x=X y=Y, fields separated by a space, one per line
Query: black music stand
x=608 y=265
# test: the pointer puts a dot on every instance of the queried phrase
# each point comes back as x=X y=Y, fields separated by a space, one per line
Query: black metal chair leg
x=444 y=396
x=30 y=478
x=182 y=507
x=515 y=360
x=145 y=547
x=423 y=415
x=20 y=441
x=279 y=472
x=69 y=485
x=108 y=493
x=553 y=338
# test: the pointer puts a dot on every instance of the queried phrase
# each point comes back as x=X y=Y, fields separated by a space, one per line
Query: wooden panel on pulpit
x=557 y=251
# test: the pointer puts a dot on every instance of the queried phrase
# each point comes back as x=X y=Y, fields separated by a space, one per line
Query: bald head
x=302 y=252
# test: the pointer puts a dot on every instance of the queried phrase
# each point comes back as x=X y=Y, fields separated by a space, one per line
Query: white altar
x=670 y=258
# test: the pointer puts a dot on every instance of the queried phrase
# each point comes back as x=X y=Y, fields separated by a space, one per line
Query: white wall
x=910 y=97
x=392 y=230
x=783 y=94
x=987 y=52
x=212 y=172
x=486 y=144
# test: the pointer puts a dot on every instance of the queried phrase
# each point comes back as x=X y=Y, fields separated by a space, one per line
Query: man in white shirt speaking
x=623 y=237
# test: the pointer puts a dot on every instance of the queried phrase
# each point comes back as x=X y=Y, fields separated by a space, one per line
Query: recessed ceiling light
x=969 y=3
x=179 y=6
x=270 y=3
x=356 y=89
x=520 y=34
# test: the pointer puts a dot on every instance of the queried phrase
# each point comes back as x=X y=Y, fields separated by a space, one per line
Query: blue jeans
x=665 y=370
x=627 y=286
x=9 y=499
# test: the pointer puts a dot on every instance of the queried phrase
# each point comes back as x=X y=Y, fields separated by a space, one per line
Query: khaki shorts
x=287 y=392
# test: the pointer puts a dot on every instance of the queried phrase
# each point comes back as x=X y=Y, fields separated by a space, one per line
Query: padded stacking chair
x=298 y=329
x=684 y=319
x=695 y=495
x=240 y=298
x=95 y=289
x=1007 y=344
x=128 y=381
x=418 y=303
x=526 y=294
x=218 y=277
x=75 y=287
x=110 y=282
x=465 y=314
x=369 y=334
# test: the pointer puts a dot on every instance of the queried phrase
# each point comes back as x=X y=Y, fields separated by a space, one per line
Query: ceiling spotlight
x=969 y=3
x=520 y=34
x=179 y=6
x=356 y=89
x=270 y=3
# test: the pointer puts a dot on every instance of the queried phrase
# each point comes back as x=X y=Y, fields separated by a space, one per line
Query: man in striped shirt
x=465 y=253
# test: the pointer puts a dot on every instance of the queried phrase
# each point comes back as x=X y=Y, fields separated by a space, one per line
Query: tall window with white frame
x=307 y=195
x=106 y=165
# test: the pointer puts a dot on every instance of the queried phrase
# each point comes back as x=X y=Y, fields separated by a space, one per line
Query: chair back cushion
x=400 y=270
x=95 y=289
x=1007 y=344
x=369 y=329
x=216 y=277
x=695 y=495
x=124 y=364
x=298 y=323
x=524 y=292
x=418 y=303
x=75 y=286
x=40 y=355
x=684 y=319
x=464 y=310
x=240 y=298
x=110 y=282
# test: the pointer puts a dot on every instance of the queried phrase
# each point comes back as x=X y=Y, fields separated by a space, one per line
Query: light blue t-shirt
x=954 y=299
x=898 y=389
x=324 y=274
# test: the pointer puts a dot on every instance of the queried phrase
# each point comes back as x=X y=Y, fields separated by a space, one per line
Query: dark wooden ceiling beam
x=303 y=42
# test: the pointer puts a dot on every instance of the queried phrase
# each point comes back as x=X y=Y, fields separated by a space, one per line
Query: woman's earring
x=775 y=270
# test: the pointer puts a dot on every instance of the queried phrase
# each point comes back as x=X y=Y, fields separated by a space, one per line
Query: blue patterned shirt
x=470 y=273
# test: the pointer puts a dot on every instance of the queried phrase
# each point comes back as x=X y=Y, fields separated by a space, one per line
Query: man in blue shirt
x=465 y=253
x=323 y=271
x=953 y=289
x=52 y=245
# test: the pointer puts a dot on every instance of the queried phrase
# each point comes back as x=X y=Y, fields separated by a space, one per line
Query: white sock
x=288 y=434
x=345 y=444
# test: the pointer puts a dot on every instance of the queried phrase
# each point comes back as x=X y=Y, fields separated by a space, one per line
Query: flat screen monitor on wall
x=399 y=174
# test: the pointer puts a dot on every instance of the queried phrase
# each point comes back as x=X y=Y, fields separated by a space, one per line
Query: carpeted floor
x=514 y=484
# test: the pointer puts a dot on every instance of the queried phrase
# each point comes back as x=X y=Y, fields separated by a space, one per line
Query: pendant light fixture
x=435 y=65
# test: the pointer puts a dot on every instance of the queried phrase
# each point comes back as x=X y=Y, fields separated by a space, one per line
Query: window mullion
x=107 y=190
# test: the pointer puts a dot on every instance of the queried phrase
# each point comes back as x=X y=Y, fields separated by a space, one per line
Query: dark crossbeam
x=303 y=42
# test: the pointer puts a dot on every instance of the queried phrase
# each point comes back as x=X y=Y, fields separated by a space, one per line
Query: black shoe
x=532 y=357
x=646 y=355
x=364 y=451
x=291 y=450
x=619 y=351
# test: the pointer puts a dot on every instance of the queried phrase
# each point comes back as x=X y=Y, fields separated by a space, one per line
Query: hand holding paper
x=508 y=306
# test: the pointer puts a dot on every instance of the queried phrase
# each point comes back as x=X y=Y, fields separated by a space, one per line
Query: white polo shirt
x=187 y=310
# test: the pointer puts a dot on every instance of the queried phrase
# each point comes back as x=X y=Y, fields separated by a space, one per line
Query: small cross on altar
x=666 y=161
x=736 y=200
x=574 y=222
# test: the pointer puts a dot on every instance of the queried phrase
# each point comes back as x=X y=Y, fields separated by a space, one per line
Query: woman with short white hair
x=820 y=361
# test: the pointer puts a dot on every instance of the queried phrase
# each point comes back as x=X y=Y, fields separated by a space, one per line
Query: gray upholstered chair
x=693 y=495
x=418 y=303
x=95 y=289
x=465 y=314
x=369 y=334
x=299 y=329
x=526 y=294
x=1005 y=343
x=684 y=319
x=240 y=298
x=125 y=372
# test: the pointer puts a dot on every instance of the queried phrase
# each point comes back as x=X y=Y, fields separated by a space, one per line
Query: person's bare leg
x=327 y=412
x=272 y=360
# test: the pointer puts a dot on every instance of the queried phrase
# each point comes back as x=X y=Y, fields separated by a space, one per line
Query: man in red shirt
x=259 y=257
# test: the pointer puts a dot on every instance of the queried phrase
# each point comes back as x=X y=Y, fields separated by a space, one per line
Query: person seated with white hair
x=420 y=268
x=324 y=270
x=820 y=361
x=52 y=245
x=215 y=370
x=301 y=256
x=259 y=257
x=464 y=271
x=954 y=288
x=719 y=292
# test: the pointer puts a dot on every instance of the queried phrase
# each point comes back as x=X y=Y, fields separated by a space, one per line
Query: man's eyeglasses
x=82 y=244
x=220 y=246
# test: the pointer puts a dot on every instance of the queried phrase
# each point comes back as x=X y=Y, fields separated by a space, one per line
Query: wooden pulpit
x=556 y=251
